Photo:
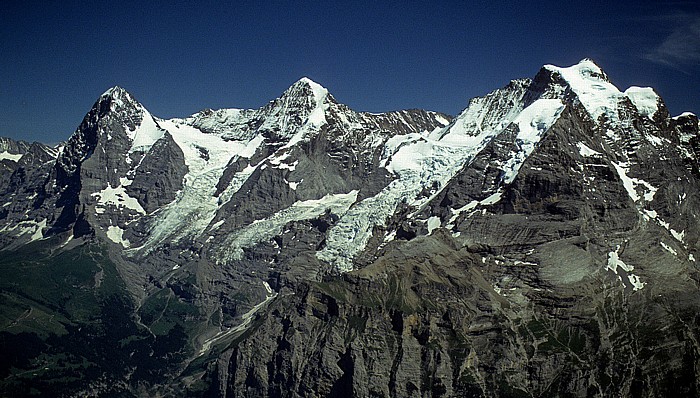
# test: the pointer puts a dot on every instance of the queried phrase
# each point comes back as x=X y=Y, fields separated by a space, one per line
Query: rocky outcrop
x=425 y=320
x=158 y=178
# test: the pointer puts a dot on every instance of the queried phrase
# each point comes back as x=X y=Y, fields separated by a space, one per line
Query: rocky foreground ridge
x=540 y=243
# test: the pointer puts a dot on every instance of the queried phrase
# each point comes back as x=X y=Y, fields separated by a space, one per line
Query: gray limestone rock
x=557 y=258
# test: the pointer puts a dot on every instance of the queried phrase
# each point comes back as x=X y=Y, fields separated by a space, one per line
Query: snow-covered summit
x=600 y=97
x=305 y=89
x=318 y=90
x=645 y=99
x=592 y=86
x=114 y=91
x=118 y=95
x=684 y=115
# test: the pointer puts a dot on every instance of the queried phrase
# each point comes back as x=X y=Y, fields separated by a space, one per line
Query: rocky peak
x=303 y=103
x=10 y=146
x=303 y=94
x=304 y=88
x=118 y=96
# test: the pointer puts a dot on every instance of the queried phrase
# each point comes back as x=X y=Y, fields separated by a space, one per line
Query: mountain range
x=540 y=243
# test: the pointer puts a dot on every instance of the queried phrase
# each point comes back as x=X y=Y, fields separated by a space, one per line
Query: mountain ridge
x=304 y=248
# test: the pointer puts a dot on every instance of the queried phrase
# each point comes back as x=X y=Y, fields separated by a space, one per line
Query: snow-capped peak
x=305 y=87
x=119 y=98
x=114 y=90
x=308 y=81
x=591 y=85
x=684 y=115
x=644 y=99
x=117 y=92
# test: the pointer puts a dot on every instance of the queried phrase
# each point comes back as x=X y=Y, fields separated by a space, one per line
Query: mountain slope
x=540 y=243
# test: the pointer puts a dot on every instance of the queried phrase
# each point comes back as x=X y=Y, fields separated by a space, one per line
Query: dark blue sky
x=57 y=57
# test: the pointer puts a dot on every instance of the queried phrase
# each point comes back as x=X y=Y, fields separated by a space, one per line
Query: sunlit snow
x=644 y=99
x=433 y=223
x=146 y=134
x=196 y=205
x=431 y=159
x=262 y=230
x=532 y=122
x=669 y=248
x=586 y=151
x=632 y=185
x=117 y=196
x=115 y=233
x=4 y=155
x=614 y=262
x=596 y=93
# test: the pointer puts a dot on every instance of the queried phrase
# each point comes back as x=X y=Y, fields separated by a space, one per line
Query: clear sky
x=57 y=57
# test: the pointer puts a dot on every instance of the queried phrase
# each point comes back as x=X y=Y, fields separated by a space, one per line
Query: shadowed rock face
x=425 y=318
x=541 y=243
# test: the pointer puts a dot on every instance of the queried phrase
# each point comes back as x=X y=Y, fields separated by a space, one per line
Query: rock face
x=541 y=243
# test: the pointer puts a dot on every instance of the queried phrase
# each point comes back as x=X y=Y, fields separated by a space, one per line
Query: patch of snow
x=644 y=99
x=39 y=233
x=684 y=114
x=456 y=212
x=276 y=160
x=669 y=248
x=678 y=235
x=115 y=234
x=217 y=224
x=267 y=287
x=586 y=151
x=290 y=167
x=614 y=262
x=293 y=184
x=650 y=213
x=70 y=238
x=492 y=199
x=532 y=123
x=390 y=236
x=691 y=257
x=261 y=230
x=626 y=182
x=15 y=157
x=433 y=222
x=146 y=134
x=656 y=141
x=637 y=284
x=117 y=197
x=632 y=184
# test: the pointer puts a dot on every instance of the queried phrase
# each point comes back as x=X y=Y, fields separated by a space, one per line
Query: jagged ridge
x=559 y=206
